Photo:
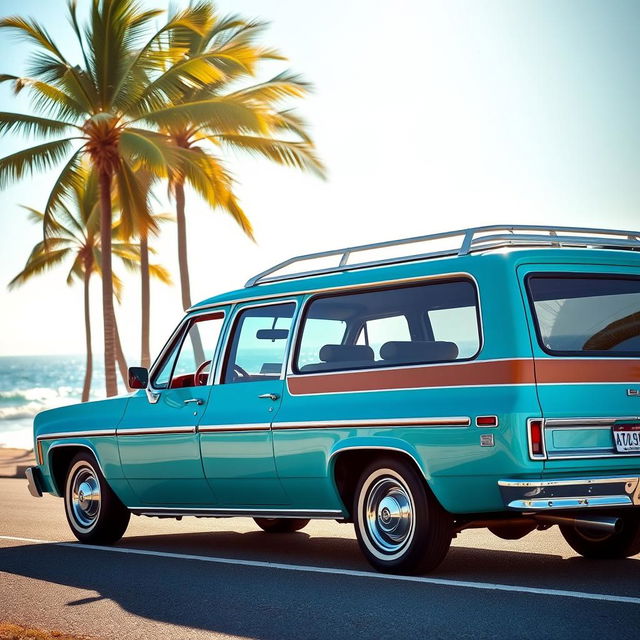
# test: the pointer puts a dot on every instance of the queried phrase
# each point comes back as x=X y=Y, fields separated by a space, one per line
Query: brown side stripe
x=477 y=373
x=451 y=375
x=579 y=370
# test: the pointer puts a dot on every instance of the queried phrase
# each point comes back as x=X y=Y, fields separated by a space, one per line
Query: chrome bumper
x=570 y=493
x=33 y=477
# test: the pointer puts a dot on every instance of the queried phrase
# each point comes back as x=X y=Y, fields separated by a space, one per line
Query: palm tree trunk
x=183 y=264
x=107 y=283
x=88 y=373
x=120 y=359
x=145 y=356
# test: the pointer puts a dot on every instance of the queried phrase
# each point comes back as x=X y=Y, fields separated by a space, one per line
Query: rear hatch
x=584 y=324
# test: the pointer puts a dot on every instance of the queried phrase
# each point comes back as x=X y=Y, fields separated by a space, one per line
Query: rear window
x=586 y=315
x=417 y=324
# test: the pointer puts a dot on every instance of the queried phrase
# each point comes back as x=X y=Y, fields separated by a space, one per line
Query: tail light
x=536 y=439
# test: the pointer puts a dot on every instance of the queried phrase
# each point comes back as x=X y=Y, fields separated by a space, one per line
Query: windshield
x=587 y=314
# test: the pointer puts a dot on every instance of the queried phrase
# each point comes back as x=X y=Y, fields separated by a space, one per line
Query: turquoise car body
x=196 y=462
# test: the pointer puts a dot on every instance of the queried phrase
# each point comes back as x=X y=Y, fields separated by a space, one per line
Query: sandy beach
x=13 y=462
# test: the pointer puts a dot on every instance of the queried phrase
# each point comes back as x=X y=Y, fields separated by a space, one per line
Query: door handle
x=197 y=401
x=269 y=396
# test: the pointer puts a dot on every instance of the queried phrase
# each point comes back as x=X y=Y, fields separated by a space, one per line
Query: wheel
x=400 y=526
x=281 y=525
x=600 y=545
x=94 y=512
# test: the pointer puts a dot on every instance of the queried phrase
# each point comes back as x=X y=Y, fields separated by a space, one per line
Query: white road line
x=487 y=586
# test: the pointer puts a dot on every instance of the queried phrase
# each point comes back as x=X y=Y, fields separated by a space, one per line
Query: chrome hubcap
x=389 y=515
x=85 y=497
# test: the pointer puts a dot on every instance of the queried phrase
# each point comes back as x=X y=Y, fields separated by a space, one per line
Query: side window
x=458 y=325
x=414 y=324
x=379 y=331
x=188 y=362
x=317 y=333
x=258 y=347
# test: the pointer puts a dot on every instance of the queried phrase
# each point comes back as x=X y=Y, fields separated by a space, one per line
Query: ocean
x=29 y=384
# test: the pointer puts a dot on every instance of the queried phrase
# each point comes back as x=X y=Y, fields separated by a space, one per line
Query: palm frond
x=160 y=273
x=32 y=125
x=38 y=158
x=284 y=85
x=68 y=180
x=147 y=148
x=134 y=206
x=299 y=155
x=217 y=113
x=38 y=263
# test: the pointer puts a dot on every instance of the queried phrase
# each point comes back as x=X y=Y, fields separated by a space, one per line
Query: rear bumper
x=570 y=493
x=35 y=481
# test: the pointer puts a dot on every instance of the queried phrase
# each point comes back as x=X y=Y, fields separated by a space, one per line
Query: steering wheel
x=199 y=371
x=239 y=372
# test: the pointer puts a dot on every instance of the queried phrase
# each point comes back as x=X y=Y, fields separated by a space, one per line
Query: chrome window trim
x=337 y=288
x=175 y=335
x=445 y=422
x=312 y=295
x=233 y=317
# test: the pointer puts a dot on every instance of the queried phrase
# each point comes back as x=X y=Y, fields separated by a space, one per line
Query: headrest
x=427 y=351
x=346 y=353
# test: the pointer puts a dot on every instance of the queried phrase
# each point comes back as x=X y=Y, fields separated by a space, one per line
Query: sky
x=429 y=114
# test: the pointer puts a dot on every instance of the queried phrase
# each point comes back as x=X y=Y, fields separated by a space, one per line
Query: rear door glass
x=586 y=314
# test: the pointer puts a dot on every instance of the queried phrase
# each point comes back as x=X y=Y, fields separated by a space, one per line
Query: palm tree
x=110 y=106
x=228 y=45
x=74 y=234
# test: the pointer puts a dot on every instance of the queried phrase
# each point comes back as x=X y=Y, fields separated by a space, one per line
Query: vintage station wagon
x=488 y=377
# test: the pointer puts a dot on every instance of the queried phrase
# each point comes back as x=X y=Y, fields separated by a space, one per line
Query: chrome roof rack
x=470 y=240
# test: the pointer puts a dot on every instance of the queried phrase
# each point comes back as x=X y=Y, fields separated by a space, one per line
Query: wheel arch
x=59 y=456
x=347 y=461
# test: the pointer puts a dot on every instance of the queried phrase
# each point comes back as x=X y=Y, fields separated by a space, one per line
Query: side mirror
x=138 y=377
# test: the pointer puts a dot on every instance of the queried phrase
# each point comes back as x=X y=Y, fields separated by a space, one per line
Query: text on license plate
x=626 y=437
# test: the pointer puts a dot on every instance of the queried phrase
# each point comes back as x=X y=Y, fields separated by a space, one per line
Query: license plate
x=626 y=437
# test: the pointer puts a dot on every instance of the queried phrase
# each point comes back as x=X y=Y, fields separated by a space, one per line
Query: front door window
x=189 y=361
x=259 y=344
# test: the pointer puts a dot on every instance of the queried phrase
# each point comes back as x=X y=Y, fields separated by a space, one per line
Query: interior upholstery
x=418 y=351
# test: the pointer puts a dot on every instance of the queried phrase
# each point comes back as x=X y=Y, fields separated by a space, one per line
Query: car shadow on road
x=265 y=603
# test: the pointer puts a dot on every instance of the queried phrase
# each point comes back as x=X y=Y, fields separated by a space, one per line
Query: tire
x=604 y=546
x=281 y=525
x=99 y=519
x=400 y=526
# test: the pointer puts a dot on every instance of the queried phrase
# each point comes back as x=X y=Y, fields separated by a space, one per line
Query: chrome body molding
x=570 y=503
x=461 y=421
x=216 y=428
x=571 y=493
x=206 y=512
x=570 y=423
x=77 y=434
x=146 y=431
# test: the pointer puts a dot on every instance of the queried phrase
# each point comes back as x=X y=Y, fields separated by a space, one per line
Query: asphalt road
x=206 y=578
